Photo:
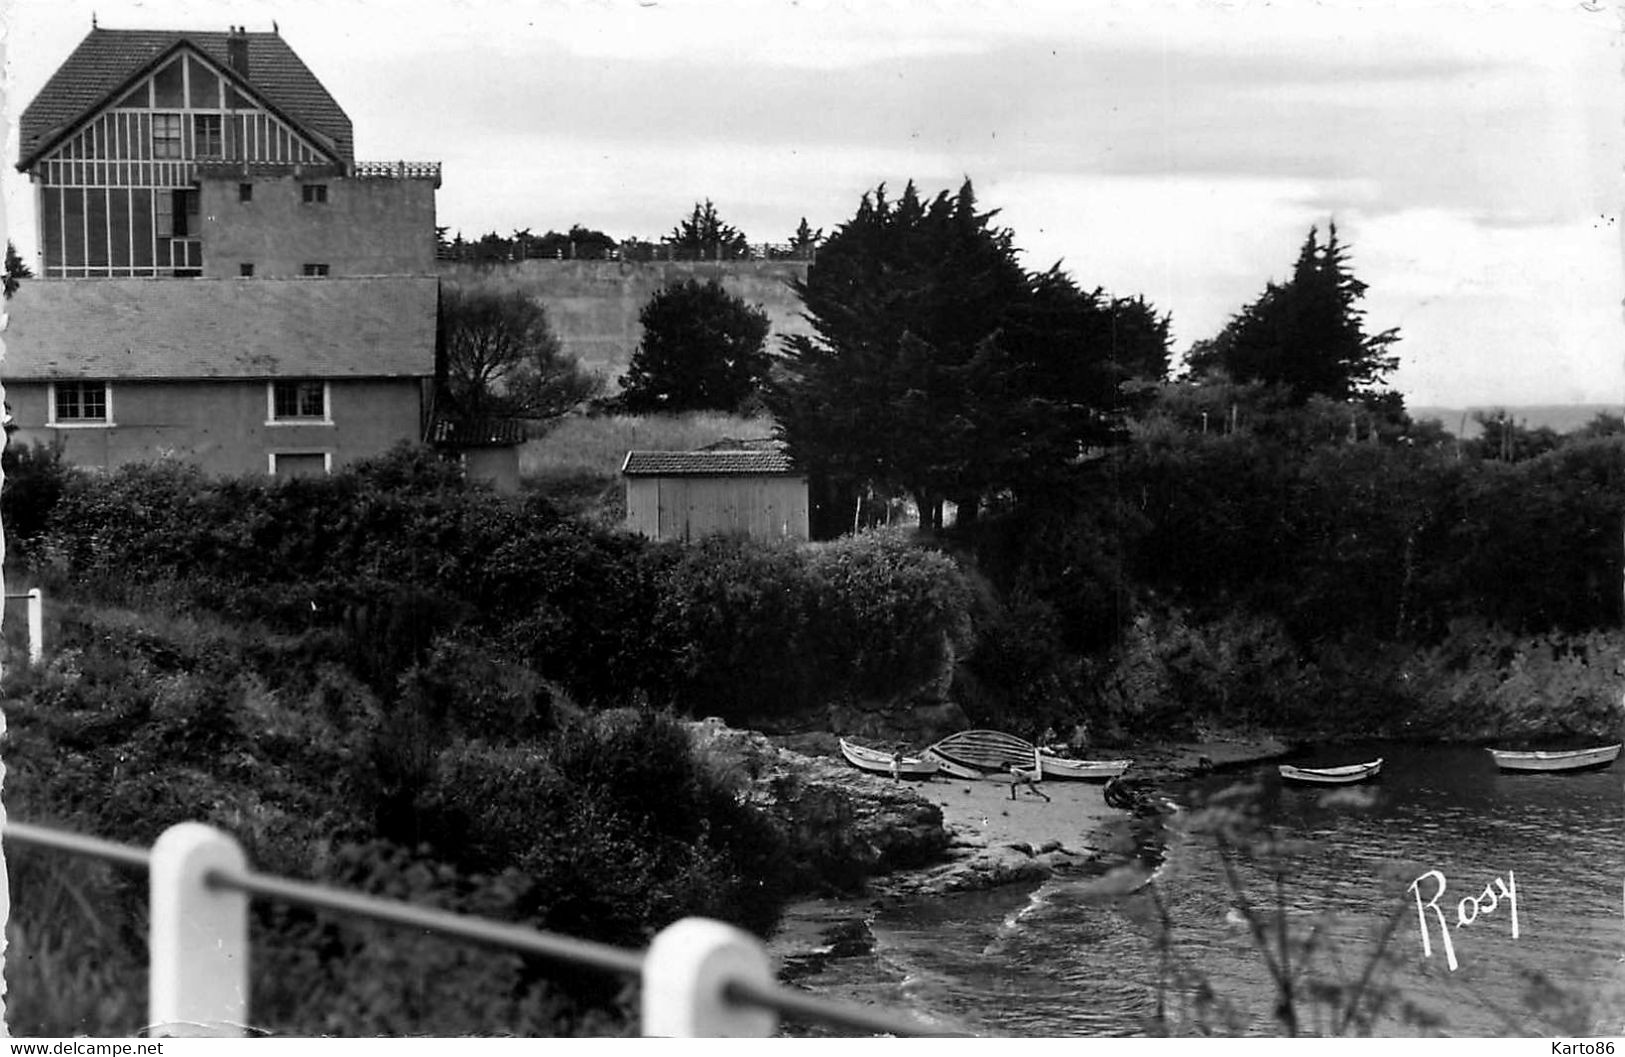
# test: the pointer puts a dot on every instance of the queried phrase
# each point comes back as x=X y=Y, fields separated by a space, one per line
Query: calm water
x=1080 y=956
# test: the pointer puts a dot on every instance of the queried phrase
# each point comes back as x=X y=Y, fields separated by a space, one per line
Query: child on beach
x=1022 y=775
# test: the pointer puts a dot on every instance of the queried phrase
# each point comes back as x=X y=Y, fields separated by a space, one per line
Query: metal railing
x=398 y=170
x=36 y=624
x=700 y=978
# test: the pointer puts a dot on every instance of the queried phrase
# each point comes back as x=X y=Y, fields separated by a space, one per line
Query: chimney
x=237 y=51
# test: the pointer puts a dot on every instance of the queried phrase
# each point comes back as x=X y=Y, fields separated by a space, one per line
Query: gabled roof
x=112 y=329
x=109 y=61
x=707 y=464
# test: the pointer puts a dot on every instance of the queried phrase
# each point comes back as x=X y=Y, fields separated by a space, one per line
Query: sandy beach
x=999 y=840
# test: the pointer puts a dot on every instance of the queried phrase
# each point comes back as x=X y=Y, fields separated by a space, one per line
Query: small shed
x=686 y=495
x=488 y=448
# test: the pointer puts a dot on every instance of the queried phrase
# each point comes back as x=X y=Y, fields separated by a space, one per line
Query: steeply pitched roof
x=109 y=60
x=111 y=329
x=706 y=464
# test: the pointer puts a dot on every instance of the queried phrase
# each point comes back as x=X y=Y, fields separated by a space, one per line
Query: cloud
x=1527 y=314
x=1198 y=246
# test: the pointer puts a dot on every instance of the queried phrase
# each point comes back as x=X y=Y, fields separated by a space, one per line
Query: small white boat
x=1081 y=770
x=1354 y=772
x=1573 y=760
x=894 y=764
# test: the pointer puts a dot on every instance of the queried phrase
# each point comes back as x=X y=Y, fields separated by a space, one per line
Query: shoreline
x=996 y=842
x=996 y=839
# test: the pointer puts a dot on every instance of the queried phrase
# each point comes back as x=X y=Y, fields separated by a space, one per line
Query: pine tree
x=1307 y=334
x=805 y=240
x=16 y=270
x=939 y=369
x=704 y=236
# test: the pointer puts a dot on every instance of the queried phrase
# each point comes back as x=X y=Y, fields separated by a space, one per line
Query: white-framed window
x=299 y=463
x=208 y=139
x=74 y=404
x=166 y=136
x=315 y=194
x=315 y=271
x=298 y=402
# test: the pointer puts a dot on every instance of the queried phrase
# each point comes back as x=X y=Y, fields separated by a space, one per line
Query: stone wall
x=593 y=306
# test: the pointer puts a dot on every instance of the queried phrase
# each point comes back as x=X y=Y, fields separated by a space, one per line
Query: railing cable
x=745 y=991
x=475 y=929
x=79 y=844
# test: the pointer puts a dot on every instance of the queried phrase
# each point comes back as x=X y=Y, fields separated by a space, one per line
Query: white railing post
x=199 y=975
x=685 y=973
x=36 y=627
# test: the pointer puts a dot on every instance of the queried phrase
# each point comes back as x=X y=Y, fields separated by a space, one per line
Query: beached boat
x=894 y=764
x=987 y=751
x=1354 y=772
x=1573 y=760
x=1081 y=770
x=951 y=769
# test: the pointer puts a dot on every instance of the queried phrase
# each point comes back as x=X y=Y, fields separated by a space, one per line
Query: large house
x=194 y=191
x=282 y=376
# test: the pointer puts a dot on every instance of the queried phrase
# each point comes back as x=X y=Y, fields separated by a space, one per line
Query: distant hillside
x=1560 y=417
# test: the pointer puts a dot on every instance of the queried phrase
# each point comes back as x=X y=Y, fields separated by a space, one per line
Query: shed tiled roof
x=480 y=433
x=108 y=60
x=706 y=463
x=105 y=329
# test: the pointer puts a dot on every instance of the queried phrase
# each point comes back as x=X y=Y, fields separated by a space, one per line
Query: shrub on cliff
x=754 y=630
x=606 y=826
x=1481 y=682
x=1172 y=672
x=616 y=826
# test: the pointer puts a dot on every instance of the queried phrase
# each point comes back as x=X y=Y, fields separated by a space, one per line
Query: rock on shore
x=847 y=825
x=852 y=828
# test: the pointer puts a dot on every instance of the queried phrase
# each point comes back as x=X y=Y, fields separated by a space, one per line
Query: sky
x=1469 y=152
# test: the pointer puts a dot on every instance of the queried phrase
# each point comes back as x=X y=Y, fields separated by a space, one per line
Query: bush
x=35 y=478
x=616 y=825
x=751 y=630
x=1173 y=673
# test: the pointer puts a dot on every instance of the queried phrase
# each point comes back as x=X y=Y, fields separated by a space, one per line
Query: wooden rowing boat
x=987 y=751
x=894 y=764
x=1081 y=770
x=951 y=769
x=1354 y=772
x=1573 y=760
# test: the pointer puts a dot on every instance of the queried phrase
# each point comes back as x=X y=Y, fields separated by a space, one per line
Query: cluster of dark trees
x=702 y=349
x=941 y=370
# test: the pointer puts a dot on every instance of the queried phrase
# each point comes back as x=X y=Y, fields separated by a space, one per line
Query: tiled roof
x=706 y=463
x=481 y=433
x=98 y=329
x=108 y=60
